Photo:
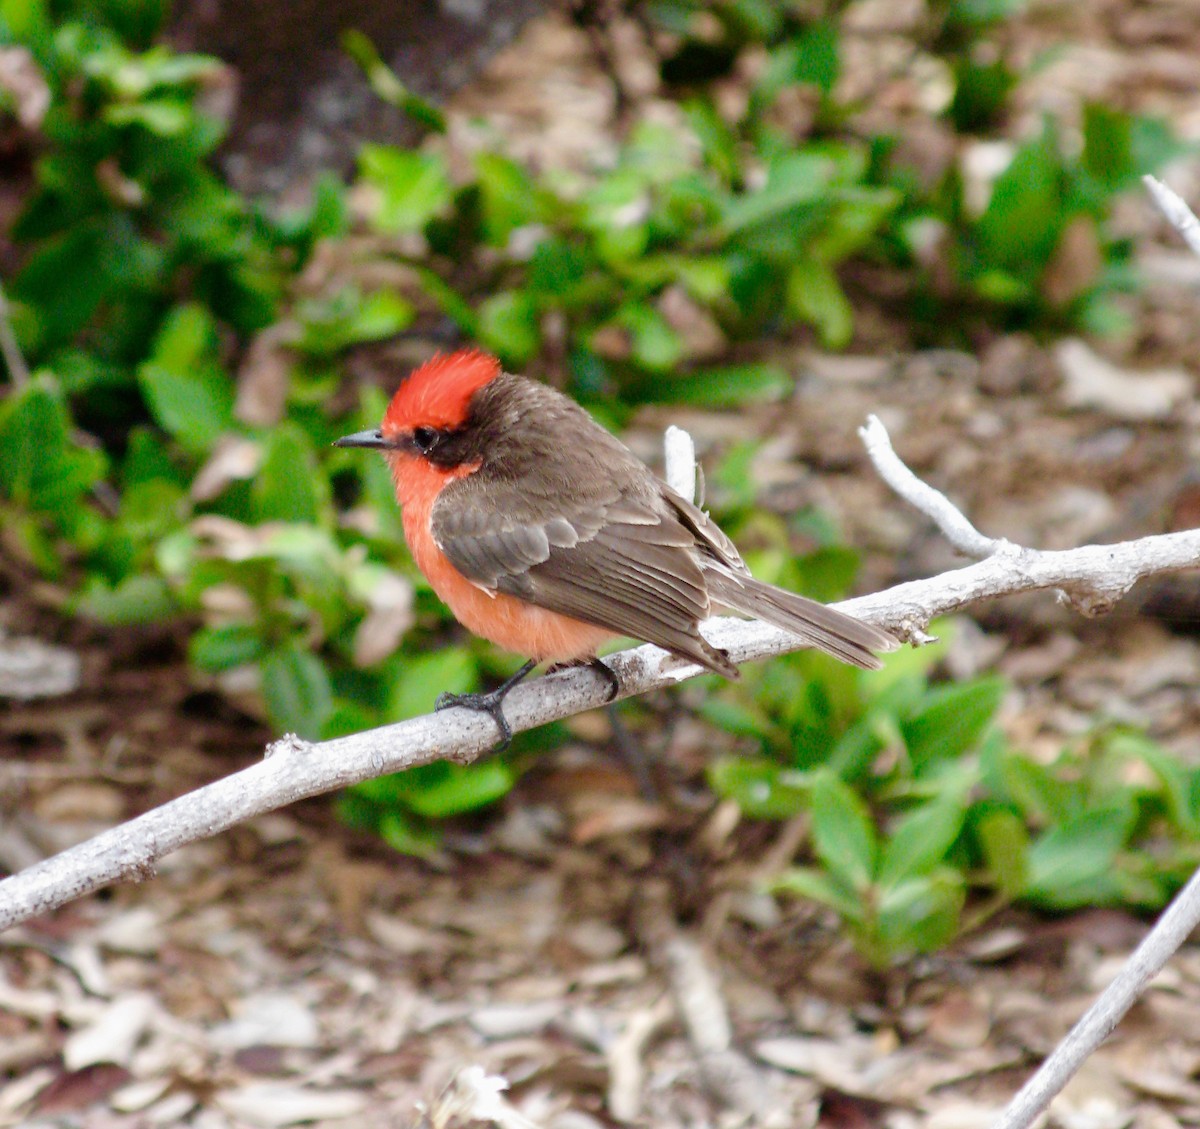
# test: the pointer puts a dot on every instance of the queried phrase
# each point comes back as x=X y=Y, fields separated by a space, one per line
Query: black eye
x=424 y=438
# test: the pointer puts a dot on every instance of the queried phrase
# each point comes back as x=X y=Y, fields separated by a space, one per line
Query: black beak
x=364 y=439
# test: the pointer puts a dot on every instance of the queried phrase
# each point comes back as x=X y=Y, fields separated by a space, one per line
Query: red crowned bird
x=547 y=536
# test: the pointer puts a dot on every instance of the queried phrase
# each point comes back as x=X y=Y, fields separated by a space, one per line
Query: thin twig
x=680 y=462
x=1158 y=946
x=18 y=370
x=1172 y=205
x=933 y=503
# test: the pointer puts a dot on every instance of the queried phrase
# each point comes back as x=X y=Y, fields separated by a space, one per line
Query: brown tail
x=833 y=632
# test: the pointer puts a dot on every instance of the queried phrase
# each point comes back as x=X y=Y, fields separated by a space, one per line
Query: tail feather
x=846 y=638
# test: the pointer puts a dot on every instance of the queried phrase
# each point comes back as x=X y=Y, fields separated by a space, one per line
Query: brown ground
x=610 y=957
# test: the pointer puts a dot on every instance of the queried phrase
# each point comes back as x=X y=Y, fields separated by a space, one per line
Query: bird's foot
x=490 y=703
x=599 y=666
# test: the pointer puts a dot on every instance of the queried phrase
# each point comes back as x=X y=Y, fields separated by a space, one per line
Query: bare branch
x=1172 y=205
x=1096 y=576
x=1157 y=947
x=933 y=503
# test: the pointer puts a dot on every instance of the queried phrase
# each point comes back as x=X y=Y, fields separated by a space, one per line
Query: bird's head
x=425 y=426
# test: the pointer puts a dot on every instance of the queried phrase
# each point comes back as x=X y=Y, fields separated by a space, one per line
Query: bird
x=546 y=535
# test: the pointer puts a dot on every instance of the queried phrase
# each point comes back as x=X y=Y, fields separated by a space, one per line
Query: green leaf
x=557 y=270
x=380 y=315
x=188 y=394
x=1019 y=229
x=843 y=833
x=826 y=574
x=655 y=344
x=1036 y=790
x=387 y=85
x=194 y=407
x=981 y=90
x=296 y=690
x=725 y=387
x=348 y=318
x=1177 y=780
x=950 y=720
x=736 y=717
x=1004 y=844
x=165 y=117
x=420 y=679
x=814 y=295
x=413 y=187
x=443 y=790
x=508 y=325
x=828 y=890
x=922 y=838
x=405 y=835
x=854 y=221
x=214 y=649
x=979 y=13
x=920 y=914
x=818 y=61
x=348 y=718
x=511 y=197
x=1119 y=147
x=27 y=21
x=756 y=786
x=140 y=598
x=146 y=460
x=856 y=748
x=151 y=509
x=1074 y=864
x=792 y=180
x=719 y=142
x=289 y=485
x=39 y=465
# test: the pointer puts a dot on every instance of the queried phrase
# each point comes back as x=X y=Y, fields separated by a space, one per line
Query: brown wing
x=730 y=584
x=609 y=556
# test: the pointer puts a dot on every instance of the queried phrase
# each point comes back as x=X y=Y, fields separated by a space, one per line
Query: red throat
x=438 y=394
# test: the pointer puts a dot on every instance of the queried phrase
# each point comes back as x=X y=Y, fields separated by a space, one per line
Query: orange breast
x=504 y=620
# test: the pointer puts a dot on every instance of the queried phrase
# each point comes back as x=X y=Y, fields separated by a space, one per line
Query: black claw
x=609 y=675
x=490 y=703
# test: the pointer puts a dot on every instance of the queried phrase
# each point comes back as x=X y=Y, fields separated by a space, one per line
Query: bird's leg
x=491 y=703
x=599 y=666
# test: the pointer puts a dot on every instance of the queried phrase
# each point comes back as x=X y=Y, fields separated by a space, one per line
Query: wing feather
x=621 y=562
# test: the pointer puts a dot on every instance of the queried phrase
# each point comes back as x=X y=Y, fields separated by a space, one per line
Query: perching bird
x=548 y=536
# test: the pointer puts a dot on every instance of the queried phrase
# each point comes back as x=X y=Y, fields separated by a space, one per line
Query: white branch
x=1173 y=206
x=1096 y=576
x=946 y=515
x=679 y=463
x=1157 y=947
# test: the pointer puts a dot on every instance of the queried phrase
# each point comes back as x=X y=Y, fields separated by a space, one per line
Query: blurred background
x=228 y=229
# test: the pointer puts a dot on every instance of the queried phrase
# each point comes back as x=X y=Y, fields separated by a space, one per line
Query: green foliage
x=1039 y=253
x=917 y=803
x=133 y=475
